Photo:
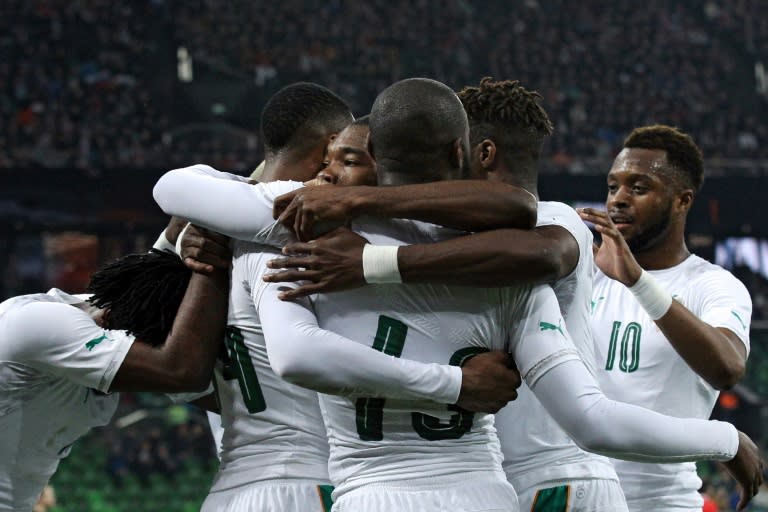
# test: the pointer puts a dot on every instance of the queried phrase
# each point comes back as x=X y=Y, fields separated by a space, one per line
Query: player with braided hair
x=151 y=325
x=141 y=293
x=548 y=470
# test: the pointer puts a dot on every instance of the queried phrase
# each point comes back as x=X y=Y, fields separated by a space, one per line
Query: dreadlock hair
x=507 y=113
x=297 y=106
x=684 y=159
x=141 y=293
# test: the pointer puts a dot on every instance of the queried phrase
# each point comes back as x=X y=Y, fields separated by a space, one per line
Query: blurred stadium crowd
x=77 y=90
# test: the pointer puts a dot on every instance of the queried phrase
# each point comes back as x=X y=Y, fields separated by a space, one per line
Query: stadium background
x=98 y=98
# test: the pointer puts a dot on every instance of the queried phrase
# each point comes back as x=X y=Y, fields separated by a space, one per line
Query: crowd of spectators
x=80 y=84
x=165 y=446
x=75 y=90
x=720 y=492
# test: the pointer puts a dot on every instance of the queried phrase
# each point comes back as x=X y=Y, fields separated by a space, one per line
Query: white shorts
x=271 y=496
x=642 y=507
x=593 y=495
x=473 y=495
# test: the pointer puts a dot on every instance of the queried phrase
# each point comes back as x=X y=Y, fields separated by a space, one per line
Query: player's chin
x=626 y=230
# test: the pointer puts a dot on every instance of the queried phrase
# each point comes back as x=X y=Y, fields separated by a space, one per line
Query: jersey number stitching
x=629 y=357
x=238 y=365
x=369 y=412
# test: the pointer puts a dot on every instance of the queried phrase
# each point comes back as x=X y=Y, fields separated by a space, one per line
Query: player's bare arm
x=716 y=354
x=503 y=257
x=185 y=361
x=466 y=205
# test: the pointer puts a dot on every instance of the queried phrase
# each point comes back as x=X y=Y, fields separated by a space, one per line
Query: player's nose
x=620 y=199
x=328 y=176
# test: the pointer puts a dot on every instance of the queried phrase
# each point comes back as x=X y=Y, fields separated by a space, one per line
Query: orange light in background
x=72 y=258
x=728 y=400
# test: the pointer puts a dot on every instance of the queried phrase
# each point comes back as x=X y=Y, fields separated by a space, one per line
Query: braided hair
x=508 y=103
x=141 y=293
x=507 y=113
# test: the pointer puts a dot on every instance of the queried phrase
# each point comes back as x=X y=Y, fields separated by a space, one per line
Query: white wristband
x=163 y=244
x=380 y=264
x=181 y=237
x=655 y=300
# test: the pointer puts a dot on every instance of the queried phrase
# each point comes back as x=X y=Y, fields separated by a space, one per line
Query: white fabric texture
x=573 y=398
x=428 y=324
x=548 y=453
x=273 y=496
x=272 y=429
x=638 y=365
x=224 y=203
x=343 y=366
x=52 y=358
x=486 y=494
x=597 y=495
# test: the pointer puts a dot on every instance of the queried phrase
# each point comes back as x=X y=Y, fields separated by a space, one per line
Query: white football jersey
x=56 y=364
x=272 y=429
x=638 y=365
x=375 y=440
x=535 y=448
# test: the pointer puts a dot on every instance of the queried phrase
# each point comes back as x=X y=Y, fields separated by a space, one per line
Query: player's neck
x=285 y=166
x=525 y=179
x=391 y=172
x=669 y=252
x=97 y=314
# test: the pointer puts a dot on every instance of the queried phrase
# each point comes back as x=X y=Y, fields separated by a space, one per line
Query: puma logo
x=95 y=341
x=546 y=326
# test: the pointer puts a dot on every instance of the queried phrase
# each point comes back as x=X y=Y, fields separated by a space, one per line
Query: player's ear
x=458 y=154
x=487 y=154
x=684 y=200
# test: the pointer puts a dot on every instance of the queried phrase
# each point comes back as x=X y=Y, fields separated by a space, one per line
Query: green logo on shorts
x=95 y=341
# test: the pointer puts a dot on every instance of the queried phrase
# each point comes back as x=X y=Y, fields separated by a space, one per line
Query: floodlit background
x=99 y=97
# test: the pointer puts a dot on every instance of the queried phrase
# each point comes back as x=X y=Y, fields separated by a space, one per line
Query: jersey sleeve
x=539 y=340
x=725 y=302
x=64 y=341
x=573 y=398
x=215 y=201
x=304 y=354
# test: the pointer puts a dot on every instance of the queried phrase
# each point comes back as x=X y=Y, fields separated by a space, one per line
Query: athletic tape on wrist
x=655 y=300
x=163 y=244
x=380 y=264
x=181 y=237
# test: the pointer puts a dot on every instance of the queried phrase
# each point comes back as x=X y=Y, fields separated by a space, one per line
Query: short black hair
x=412 y=122
x=297 y=106
x=683 y=155
x=507 y=113
x=141 y=293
